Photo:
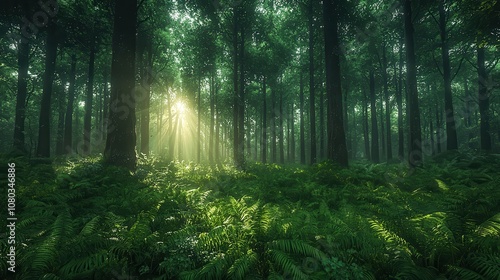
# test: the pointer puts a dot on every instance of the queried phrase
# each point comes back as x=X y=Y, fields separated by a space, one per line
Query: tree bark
x=241 y=103
x=235 y=89
x=312 y=104
x=415 y=145
x=121 y=138
x=365 y=127
x=264 y=122
x=484 y=101
x=43 y=149
x=302 y=129
x=451 y=132
x=147 y=80
x=87 y=120
x=23 y=53
x=337 y=150
x=375 y=156
x=387 y=104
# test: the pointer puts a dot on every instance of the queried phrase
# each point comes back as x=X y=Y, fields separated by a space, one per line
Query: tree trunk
x=217 y=126
x=337 y=150
x=273 y=122
x=281 y=134
x=484 y=101
x=198 y=150
x=312 y=107
x=43 y=149
x=415 y=145
x=87 y=120
x=121 y=138
x=365 y=127
x=147 y=80
x=23 y=53
x=236 y=93
x=292 y=134
x=375 y=156
x=61 y=98
x=399 y=100
x=241 y=103
x=321 y=126
x=302 y=130
x=212 y=118
x=387 y=104
x=264 y=122
x=451 y=132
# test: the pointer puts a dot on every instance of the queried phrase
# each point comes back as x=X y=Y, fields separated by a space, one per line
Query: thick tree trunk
x=312 y=104
x=43 y=149
x=121 y=138
x=337 y=150
x=263 y=145
x=451 y=132
x=87 y=120
x=375 y=156
x=484 y=101
x=23 y=53
x=415 y=145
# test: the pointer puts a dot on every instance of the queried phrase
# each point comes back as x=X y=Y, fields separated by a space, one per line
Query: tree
x=337 y=149
x=415 y=139
x=43 y=149
x=121 y=138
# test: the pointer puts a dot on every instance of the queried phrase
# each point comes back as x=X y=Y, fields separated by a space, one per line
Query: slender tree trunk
x=43 y=149
x=23 y=53
x=375 y=156
x=365 y=127
x=312 y=104
x=105 y=105
x=121 y=138
x=451 y=132
x=438 y=129
x=264 y=122
x=382 y=129
x=147 y=80
x=217 y=126
x=61 y=98
x=321 y=126
x=87 y=120
x=415 y=145
x=292 y=134
x=387 y=104
x=399 y=100
x=484 y=101
x=337 y=150
x=198 y=150
x=302 y=129
x=241 y=103
x=235 y=89
x=273 y=122
x=212 y=118
x=281 y=134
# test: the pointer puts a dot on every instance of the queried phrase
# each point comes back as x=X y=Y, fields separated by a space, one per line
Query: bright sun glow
x=180 y=107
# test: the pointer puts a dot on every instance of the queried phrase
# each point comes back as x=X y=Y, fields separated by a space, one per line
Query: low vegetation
x=80 y=219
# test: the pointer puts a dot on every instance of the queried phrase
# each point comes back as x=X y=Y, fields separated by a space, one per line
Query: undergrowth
x=81 y=219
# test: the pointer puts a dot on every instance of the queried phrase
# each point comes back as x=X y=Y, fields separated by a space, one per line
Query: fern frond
x=286 y=264
x=490 y=227
x=297 y=247
x=242 y=265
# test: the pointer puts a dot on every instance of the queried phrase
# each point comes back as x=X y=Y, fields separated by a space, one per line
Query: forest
x=250 y=139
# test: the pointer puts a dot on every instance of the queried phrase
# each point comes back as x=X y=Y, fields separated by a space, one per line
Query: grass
x=79 y=219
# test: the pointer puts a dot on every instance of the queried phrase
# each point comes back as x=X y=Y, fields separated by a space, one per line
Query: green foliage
x=172 y=221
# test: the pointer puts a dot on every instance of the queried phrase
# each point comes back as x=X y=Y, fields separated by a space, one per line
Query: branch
x=458 y=69
x=437 y=65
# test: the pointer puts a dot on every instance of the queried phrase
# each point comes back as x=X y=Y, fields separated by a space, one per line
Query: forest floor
x=79 y=219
